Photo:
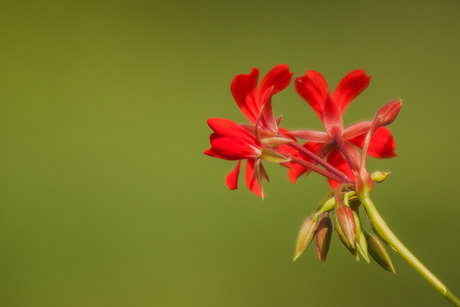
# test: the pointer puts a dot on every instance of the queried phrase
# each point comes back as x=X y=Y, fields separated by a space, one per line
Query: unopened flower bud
x=379 y=177
x=306 y=234
x=346 y=219
x=388 y=113
x=378 y=253
x=323 y=237
x=344 y=240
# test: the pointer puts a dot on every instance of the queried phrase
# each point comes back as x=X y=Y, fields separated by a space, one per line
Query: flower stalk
x=320 y=171
x=384 y=231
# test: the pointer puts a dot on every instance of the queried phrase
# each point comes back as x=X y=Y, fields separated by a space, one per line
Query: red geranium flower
x=231 y=141
x=314 y=89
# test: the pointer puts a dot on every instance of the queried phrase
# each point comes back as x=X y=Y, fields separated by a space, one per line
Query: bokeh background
x=107 y=200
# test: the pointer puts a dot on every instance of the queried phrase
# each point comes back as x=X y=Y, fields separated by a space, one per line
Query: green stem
x=388 y=235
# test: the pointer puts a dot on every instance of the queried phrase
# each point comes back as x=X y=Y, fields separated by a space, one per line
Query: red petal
x=251 y=181
x=267 y=117
x=232 y=178
x=335 y=159
x=313 y=88
x=332 y=118
x=350 y=87
x=287 y=133
x=295 y=171
x=214 y=136
x=382 y=144
x=209 y=152
x=287 y=151
x=356 y=129
x=276 y=80
x=244 y=90
x=227 y=128
x=217 y=154
x=235 y=148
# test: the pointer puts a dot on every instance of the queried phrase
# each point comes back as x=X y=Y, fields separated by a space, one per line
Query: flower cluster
x=332 y=153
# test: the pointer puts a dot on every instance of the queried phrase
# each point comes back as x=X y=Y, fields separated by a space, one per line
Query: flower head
x=258 y=140
x=337 y=142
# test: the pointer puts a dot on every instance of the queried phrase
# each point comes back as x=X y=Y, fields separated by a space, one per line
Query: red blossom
x=314 y=89
x=231 y=141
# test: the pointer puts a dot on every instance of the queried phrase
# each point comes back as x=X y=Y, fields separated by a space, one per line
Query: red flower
x=314 y=89
x=231 y=141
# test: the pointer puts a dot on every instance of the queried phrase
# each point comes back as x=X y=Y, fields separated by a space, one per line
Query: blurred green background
x=107 y=200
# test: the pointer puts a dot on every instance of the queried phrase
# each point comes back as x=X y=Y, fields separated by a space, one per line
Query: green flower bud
x=378 y=253
x=306 y=234
x=379 y=177
x=345 y=217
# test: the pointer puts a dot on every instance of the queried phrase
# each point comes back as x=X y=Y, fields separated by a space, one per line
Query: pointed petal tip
x=353 y=84
x=293 y=176
x=232 y=177
x=313 y=88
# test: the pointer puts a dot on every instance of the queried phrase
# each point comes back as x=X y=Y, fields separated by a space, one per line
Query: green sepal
x=361 y=242
x=273 y=156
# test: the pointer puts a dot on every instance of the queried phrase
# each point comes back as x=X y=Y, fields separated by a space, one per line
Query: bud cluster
x=342 y=211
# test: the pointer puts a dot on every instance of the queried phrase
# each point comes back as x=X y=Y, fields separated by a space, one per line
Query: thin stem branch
x=321 y=162
x=319 y=170
x=367 y=142
x=389 y=236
